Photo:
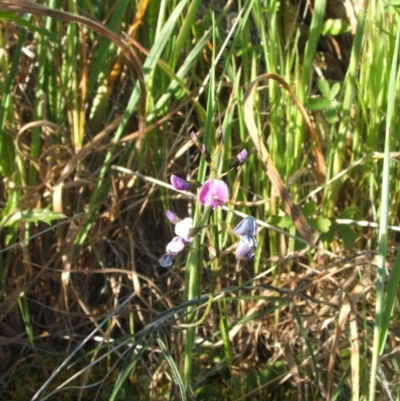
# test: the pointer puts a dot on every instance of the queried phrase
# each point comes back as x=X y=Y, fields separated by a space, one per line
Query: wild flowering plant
x=214 y=193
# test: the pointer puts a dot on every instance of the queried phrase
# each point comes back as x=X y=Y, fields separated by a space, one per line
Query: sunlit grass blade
x=338 y=150
x=381 y=310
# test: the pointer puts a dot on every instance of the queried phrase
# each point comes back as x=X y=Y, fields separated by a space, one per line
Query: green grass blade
x=194 y=263
x=350 y=90
x=308 y=344
x=128 y=370
x=184 y=31
x=389 y=301
x=102 y=187
x=309 y=56
x=6 y=145
x=380 y=332
x=174 y=368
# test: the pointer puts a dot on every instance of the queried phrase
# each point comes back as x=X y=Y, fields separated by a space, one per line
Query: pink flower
x=213 y=193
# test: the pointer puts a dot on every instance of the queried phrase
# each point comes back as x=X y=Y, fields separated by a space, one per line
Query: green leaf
x=320 y=224
x=32 y=216
x=335 y=90
x=323 y=86
x=281 y=221
x=309 y=208
x=317 y=103
x=329 y=235
x=349 y=212
x=333 y=27
x=332 y=116
x=348 y=235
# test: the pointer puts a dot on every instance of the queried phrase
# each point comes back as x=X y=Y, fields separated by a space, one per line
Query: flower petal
x=180 y=184
x=245 y=252
x=247 y=226
x=242 y=156
x=248 y=240
x=175 y=246
x=213 y=193
x=171 y=216
x=166 y=260
x=182 y=229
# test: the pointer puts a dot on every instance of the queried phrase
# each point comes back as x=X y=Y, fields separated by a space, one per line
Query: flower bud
x=239 y=160
x=171 y=216
x=195 y=140
x=218 y=135
x=206 y=154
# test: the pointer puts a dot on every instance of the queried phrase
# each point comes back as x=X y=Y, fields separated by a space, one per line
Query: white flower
x=183 y=227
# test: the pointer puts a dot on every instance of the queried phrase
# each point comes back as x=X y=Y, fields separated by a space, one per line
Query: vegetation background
x=86 y=311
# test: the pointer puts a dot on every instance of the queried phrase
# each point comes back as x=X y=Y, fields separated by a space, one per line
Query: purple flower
x=183 y=229
x=175 y=246
x=166 y=260
x=242 y=156
x=245 y=252
x=213 y=193
x=246 y=230
x=180 y=184
x=184 y=235
x=171 y=216
x=247 y=226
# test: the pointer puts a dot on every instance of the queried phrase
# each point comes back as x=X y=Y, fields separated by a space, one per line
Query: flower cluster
x=246 y=230
x=183 y=231
x=213 y=193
